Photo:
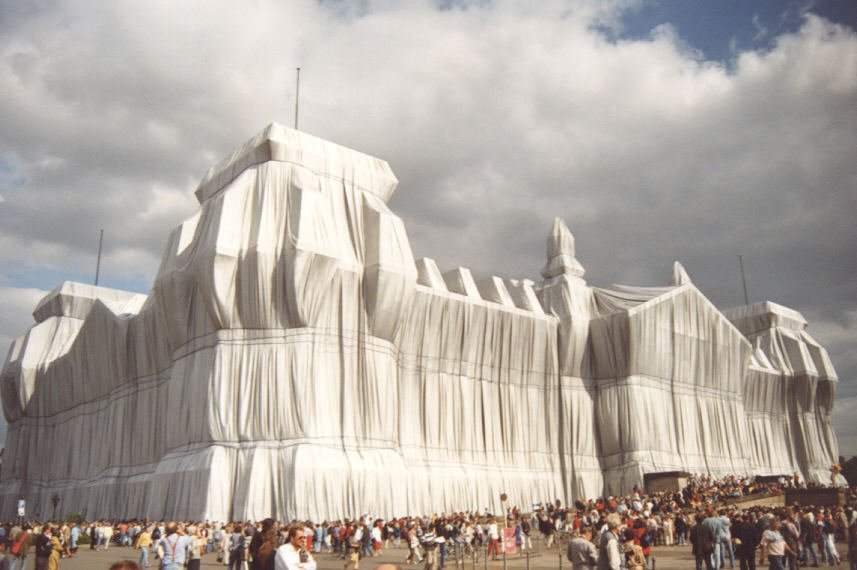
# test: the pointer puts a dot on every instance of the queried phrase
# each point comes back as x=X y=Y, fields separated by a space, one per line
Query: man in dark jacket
x=702 y=541
x=746 y=541
x=43 y=548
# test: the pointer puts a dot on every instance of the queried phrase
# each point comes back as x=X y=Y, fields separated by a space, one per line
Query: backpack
x=646 y=540
x=16 y=548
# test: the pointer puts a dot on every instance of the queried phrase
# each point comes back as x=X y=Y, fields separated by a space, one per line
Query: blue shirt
x=175 y=549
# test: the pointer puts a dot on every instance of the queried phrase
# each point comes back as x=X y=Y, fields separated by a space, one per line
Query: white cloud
x=16 y=308
x=495 y=117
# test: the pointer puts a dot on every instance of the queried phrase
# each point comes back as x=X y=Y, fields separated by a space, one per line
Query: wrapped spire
x=561 y=259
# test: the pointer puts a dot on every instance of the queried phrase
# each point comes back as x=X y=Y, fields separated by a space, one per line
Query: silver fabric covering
x=293 y=360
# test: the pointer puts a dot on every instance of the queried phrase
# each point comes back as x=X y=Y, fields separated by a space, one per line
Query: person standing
x=681 y=528
x=581 y=552
x=174 y=548
x=852 y=542
x=494 y=539
x=259 y=538
x=44 y=548
x=669 y=536
x=746 y=541
x=702 y=544
x=792 y=536
x=828 y=533
x=197 y=545
x=20 y=541
x=293 y=555
x=724 y=540
x=807 y=540
x=238 y=544
x=56 y=549
x=73 y=538
x=609 y=554
x=264 y=557
x=774 y=547
x=143 y=543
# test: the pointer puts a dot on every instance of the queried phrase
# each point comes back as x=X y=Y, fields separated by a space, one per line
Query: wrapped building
x=294 y=360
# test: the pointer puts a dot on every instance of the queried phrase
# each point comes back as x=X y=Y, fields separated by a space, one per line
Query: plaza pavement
x=666 y=558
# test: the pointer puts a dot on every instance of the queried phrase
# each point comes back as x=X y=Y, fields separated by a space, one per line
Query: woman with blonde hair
x=197 y=545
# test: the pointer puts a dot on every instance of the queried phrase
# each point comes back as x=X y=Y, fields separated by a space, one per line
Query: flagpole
x=297 y=95
x=98 y=260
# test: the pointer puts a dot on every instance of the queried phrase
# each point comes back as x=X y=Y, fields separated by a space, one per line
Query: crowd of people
x=608 y=533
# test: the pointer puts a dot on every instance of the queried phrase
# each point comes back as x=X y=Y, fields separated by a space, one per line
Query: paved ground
x=666 y=558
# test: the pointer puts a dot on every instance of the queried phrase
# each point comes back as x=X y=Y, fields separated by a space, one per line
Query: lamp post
x=55 y=500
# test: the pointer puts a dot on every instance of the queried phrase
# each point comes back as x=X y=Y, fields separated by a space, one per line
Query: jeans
x=807 y=550
x=723 y=546
x=144 y=556
x=829 y=553
x=17 y=563
x=776 y=562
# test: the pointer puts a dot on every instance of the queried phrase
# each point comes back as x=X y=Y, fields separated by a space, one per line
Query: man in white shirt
x=293 y=555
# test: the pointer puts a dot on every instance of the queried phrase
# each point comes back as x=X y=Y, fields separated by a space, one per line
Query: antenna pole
x=743 y=279
x=297 y=95
x=98 y=262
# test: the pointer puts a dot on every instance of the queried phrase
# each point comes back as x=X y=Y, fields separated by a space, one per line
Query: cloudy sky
x=659 y=130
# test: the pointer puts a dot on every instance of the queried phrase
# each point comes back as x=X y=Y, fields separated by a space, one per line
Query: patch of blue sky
x=12 y=177
x=720 y=30
x=47 y=278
